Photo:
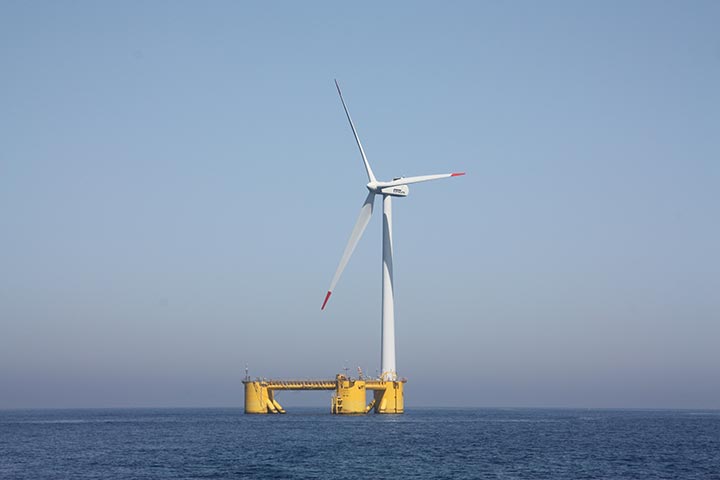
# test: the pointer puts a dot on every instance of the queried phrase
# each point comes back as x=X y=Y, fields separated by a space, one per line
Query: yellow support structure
x=260 y=399
x=389 y=397
x=256 y=397
x=350 y=396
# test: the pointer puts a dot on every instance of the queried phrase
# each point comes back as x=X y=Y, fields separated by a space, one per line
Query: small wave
x=50 y=422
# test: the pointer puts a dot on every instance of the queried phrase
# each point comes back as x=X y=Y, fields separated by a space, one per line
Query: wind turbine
x=398 y=187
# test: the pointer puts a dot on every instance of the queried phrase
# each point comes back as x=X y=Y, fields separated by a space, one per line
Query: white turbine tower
x=398 y=187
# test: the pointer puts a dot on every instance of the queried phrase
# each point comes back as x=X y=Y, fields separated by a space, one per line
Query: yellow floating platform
x=350 y=394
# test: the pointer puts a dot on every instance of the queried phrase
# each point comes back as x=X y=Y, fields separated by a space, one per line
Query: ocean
x=309 y=443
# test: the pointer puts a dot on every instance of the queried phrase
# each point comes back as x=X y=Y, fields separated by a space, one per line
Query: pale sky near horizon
x=178 y=181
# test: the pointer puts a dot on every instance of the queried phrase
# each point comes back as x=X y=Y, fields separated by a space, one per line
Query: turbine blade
x=362 y=222
x=421 y=178
x=369 y=171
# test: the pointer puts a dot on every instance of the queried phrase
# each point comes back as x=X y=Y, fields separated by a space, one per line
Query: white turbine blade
x=421 y=178
x=362 y=222
x=369 y=171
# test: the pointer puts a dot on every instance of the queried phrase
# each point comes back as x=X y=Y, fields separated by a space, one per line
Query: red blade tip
x=459 y=174
x=327 y=297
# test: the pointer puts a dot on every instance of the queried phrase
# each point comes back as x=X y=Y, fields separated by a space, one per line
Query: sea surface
x=310 y=443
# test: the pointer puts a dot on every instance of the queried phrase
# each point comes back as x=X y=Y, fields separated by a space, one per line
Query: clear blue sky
x=178 y=181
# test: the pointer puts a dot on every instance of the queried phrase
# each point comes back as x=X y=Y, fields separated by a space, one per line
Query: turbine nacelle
x=397 y=191
x=382 y=188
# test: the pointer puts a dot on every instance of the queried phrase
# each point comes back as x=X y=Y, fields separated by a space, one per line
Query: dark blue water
x=310 y=443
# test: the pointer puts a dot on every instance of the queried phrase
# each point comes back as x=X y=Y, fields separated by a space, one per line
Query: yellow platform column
x=349 y=396
x=256 y=397
x=390 y=400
